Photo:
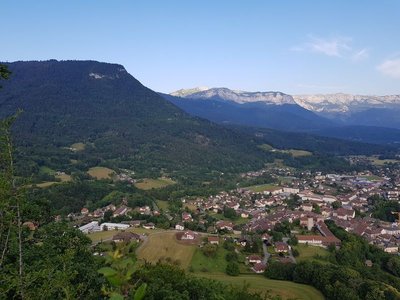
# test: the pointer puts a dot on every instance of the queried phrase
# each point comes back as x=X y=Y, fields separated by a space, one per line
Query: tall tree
x=11 y=196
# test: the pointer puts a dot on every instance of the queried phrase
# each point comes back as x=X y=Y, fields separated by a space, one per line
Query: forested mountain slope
x=118 y=119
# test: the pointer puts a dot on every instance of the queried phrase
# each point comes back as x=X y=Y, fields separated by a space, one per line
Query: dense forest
x=316 y=143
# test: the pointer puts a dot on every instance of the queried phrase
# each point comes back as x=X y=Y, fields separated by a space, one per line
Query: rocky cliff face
x=276 y=98
x=187 y=92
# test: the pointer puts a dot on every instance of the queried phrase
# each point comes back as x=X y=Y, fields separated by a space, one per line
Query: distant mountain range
x=345 y=103
x=277 y=111
x=343 y=116
x=321 y=103
x=383 y=111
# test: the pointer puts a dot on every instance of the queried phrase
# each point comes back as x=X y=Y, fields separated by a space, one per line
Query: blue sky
x=291 y=46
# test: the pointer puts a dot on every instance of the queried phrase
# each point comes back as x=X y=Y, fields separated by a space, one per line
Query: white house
x=114 y=226
x=391 y=248
x=188 y=235
x=149 y=226
x=179 y=227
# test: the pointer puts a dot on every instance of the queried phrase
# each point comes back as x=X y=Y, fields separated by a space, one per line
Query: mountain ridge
x=283 y=116
x=333 y=110
x=341 y=102
x=335 y=102
x=241 y=97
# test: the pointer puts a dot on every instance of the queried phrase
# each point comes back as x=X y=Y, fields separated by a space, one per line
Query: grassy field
x=261 y=188
x=285 y=179
x=62 y=177
x=202 y=263
x=46 y=184
x=298 y=153
x=309 y=252
x=293 y=152
x=266 y=147
x=258 y=283
x=162 y=204
x=164 y=246
x=78 y=146
x=380 y=162
x=373 y=178
x=101 y=173
x=148 y=184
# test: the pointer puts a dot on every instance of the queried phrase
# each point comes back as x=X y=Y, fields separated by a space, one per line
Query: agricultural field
x=78 y=147
x=261 y=188
x=101 y=173
x=310 y=252
x=163 y=246
x=201 y=263
x=266 y=147
x=299 y=153
x=381 y=162
x=293 y=152
x=148 y=183
x=258 y=283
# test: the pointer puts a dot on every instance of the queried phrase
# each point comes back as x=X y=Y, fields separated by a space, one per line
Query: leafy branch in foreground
x=121 y=266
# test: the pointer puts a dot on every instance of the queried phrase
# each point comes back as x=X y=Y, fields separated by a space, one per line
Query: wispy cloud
x=390 y=67
x=338 y=46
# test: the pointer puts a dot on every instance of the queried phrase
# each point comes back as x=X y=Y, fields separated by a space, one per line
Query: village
x=275 y=217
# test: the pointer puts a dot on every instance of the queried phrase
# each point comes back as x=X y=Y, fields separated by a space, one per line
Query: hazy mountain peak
x=187 y=92
x=277 y=98
x=341 y=102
